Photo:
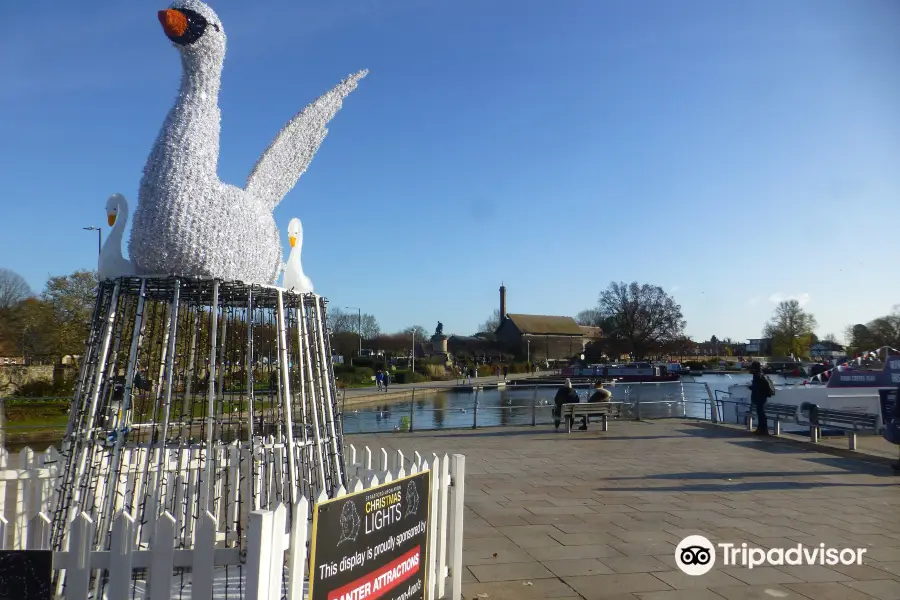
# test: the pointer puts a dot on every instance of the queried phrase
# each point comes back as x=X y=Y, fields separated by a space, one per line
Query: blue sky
x=732 y=153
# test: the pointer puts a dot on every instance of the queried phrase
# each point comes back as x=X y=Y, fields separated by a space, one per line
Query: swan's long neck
x=115 y=236
x=294 y=258
x=190 y=135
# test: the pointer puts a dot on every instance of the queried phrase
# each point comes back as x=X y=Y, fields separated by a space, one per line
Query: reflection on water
x=526 y=405
x=523 y=406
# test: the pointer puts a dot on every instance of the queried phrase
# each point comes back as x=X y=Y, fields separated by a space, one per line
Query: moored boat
x=636 y=372
x=865 y=385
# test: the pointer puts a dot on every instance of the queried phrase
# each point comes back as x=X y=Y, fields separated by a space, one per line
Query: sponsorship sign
x=373 y=544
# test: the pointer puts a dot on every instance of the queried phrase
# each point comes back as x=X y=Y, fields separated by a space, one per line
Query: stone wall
x=11 y=377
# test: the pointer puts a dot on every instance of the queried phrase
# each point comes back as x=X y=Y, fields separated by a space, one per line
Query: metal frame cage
x=199 y=395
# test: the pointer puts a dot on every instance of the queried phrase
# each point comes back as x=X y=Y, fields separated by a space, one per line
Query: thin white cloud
x=674 y=289
x=803 y=299
x=753 y=301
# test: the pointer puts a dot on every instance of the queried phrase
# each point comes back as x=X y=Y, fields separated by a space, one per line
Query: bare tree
x=589 y=318
x=421 y=333
x=370 y=327
x=13 y=288
x=639 y=318
x=340 y=321
x=492 y=323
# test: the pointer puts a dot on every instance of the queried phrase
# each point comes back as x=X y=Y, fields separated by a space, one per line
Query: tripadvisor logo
x=696 y=555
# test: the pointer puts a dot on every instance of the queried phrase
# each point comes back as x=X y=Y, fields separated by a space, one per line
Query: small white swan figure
x=294 y=279
x=112 y=263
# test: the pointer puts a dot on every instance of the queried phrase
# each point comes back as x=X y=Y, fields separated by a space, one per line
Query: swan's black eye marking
x=196 y=26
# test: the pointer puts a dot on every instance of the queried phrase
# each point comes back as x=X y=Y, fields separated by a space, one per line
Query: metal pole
x=412 y=409
x=359 y=322
x=211 y=395
x=414 y=350
x=327 y=399
x=288 y=405
x=313 y=399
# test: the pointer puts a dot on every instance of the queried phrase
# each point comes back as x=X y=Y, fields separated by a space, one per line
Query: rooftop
x=545 y=325
x=596 y=515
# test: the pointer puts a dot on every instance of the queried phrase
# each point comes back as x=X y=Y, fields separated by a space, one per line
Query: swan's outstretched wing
x=285 y=160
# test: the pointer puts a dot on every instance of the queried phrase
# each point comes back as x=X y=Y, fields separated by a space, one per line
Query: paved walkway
x=597 y=515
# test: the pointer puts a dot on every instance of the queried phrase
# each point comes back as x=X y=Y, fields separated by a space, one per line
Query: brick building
x=542 y=337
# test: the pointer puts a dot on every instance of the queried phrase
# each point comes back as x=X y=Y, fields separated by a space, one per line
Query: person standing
x=387 y=380
x=759 y=395
x=379 y=379
x=564 y=395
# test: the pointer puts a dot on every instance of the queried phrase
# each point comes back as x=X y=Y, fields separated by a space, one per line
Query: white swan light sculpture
x=112 y=263
x=187 y=221
x=294 y=278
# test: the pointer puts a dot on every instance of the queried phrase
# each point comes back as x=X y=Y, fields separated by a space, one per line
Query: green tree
x=877 y=333
x=639 y=319
x=791 y=329
x=71 y=299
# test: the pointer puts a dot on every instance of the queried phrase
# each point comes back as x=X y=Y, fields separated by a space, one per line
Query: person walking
x=505 y=371
x=759 y=395
x=379 y=379
x=564 y=395
x=387 y=380
x=601 y=394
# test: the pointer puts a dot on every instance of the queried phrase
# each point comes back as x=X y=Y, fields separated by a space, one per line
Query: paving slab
x=599 y=514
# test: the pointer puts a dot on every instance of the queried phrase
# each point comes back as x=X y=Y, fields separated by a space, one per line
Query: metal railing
x=521 y=405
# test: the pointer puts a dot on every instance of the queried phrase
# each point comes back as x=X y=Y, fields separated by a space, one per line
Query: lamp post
x=359 y=325
x=528 y=356
x=99 y=238
x=414 y=350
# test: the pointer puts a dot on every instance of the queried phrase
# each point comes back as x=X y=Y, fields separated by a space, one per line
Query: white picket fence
x=27 y=482
x=276 y=550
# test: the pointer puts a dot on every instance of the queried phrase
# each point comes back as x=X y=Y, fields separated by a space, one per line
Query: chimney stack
x=502 y=302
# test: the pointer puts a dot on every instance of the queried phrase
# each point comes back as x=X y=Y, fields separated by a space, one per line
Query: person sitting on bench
x=564 y=395
x=600 y=394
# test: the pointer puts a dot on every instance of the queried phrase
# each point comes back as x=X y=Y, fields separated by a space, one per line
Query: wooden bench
x=849 y=421
x=605 y=410
x=774 y=412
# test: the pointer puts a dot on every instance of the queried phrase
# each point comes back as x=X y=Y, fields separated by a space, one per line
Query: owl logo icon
x=412 y=499
x=350 y=523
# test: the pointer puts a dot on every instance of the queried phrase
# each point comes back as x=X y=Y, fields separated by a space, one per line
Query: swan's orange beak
x=292 y=240
x=174 y=22
x=111 y=219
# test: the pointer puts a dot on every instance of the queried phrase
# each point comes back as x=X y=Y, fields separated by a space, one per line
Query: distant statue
x=440 y=329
